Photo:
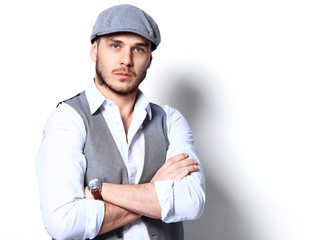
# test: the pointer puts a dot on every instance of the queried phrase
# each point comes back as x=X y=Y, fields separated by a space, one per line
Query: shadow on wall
x=221 y=219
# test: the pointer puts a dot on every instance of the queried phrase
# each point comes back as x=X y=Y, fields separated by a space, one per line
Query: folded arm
x=184 y=199
x=177 y=191
x=140 y=199
x=67 y=213
x=115 y=217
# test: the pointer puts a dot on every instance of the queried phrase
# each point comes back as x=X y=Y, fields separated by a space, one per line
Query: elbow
x=60 y=230
x=191 y=207
x=58 y=233
x=195 y=201
x=55 y=229
x=61 y=224
x=196 y=206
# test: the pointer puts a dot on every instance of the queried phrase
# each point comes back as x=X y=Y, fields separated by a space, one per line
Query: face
x=122 y=60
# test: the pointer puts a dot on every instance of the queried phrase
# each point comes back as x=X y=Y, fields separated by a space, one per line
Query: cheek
x=143 y=68
x=105 y=63
x=145 y=65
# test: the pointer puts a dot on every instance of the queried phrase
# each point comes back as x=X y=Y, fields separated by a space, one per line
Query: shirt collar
x=142 y=103
x=95 y=99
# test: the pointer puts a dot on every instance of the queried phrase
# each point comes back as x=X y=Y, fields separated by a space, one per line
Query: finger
x=178 y=157
x=180 y=164
x=180 y=173
x=186 y=162
x=175 y=159
x=176 y=167
x=183 y=172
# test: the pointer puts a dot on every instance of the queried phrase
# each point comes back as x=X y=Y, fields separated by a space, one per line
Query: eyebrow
x=142 y=44
x=113 y=40
x=139 y=44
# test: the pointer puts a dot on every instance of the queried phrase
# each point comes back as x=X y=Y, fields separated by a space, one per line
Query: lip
x=123 y=75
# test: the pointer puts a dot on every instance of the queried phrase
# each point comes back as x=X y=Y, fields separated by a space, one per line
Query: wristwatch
x=94 y=186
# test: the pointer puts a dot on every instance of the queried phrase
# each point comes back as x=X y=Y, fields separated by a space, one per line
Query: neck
x=125 y=103
x=122 y=101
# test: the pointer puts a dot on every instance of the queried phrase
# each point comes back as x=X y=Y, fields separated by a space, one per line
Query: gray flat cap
x=126 y=18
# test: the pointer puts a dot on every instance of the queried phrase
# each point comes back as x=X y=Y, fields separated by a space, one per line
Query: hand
x=88 y=194
x=176 y=168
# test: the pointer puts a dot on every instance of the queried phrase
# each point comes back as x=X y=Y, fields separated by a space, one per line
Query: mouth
x=123 y=75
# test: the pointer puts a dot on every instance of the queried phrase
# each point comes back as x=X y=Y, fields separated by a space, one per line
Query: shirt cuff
x=165 y=194
x=95 y=216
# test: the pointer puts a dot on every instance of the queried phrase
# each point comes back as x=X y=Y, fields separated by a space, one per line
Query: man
x=111 y=164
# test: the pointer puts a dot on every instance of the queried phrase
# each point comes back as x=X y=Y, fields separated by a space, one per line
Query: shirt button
x=119 y=234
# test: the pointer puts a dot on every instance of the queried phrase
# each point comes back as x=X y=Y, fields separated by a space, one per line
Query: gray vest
x=105 y=162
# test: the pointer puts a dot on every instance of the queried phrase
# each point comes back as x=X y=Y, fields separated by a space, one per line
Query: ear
x=93 y=51
x=149 y=64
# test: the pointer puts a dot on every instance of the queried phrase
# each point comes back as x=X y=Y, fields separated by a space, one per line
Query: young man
x=111 y=164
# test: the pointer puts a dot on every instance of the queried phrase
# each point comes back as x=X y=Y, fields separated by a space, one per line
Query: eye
x=115 y=46
x=139 y=50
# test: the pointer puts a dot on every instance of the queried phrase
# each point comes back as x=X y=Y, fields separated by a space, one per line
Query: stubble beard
x=101 y=77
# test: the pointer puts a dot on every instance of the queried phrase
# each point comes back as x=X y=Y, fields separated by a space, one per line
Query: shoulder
x=168 y=110
x=175 y=119
x=172 y=113
x=64 y=117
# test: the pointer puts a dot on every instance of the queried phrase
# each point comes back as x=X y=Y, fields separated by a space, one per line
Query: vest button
x=119 y=234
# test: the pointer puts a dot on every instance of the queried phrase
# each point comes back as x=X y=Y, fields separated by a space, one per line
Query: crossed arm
x=60 y=167
x=125 y=203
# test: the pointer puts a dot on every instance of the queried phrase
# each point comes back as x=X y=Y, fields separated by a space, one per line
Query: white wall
x=253 y=78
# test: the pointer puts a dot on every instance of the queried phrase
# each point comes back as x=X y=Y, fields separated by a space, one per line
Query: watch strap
x=96 y=194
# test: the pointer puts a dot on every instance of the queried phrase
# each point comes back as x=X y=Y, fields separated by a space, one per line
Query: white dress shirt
x=61 y=166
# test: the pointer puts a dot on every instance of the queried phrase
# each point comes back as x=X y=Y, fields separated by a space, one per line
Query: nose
x=126 y=58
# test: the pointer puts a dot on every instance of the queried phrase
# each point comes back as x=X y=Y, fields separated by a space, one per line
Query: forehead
x=127 y=38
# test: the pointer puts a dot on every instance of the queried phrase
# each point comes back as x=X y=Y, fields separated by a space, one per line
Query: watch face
x=94 y=183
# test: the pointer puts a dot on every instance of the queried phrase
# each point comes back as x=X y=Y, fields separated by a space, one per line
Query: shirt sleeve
x=184 y=199
x=60 y=171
